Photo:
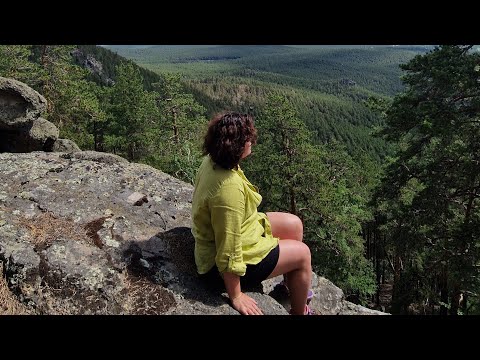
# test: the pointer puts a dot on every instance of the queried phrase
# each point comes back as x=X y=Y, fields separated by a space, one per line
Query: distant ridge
x=125 y=47
x=327 y=84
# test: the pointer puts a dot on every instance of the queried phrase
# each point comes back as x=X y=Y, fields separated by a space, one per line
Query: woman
x=231 y=237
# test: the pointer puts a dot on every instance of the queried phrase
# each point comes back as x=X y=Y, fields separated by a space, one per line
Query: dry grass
x=9 y=305
x=145 y=297
x=46 y=228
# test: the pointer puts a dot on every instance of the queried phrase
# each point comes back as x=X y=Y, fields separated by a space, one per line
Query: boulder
x=20 y=105
x=91 y=233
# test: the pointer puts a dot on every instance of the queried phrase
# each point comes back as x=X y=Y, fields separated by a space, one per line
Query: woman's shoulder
x=230 y=178
x=218 y=171
x=231 y=187
x=216 y=176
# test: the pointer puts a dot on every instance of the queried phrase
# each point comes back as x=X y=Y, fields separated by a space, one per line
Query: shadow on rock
x=168 y=259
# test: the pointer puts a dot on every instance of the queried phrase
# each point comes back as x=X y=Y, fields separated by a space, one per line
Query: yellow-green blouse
x=229 y=231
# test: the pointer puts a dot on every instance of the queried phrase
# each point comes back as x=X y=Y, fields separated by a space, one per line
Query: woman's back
x=224 y=215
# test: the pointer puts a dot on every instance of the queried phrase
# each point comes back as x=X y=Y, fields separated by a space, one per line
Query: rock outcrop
x=91 y=233
x=65 y=145
x=84 y=232
x=22 y=129
x=94 y=66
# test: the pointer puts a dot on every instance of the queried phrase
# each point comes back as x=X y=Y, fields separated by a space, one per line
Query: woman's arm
x=241 y=302
x=232 y=284
x=227 y=212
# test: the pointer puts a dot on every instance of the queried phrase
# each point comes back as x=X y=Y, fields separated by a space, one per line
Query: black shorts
x=254 y=274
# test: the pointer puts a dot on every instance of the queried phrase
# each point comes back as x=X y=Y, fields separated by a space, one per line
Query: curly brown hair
x=226 y=137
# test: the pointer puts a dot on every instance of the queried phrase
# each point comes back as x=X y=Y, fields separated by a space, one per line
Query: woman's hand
x=245 y=305
x=241 y=302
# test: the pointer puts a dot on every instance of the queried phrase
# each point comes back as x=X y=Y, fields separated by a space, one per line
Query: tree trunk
x=45 y=85
x=174 y=124
x=443 y=292
x=97 y=137
x=464 y=304
x=397 y=305
x=378 y=261
x=131 y=151
x=293 y=203
x=456 y=299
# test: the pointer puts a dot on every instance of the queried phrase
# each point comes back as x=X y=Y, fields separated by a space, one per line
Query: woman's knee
x=306 y=254
x=295 y=226
x=298 y=226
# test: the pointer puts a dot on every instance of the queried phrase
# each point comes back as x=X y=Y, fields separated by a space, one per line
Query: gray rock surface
x=21 y=127
x=71 y=242
x=41 y=136
x=328 y=299
x=20 y=105
x=65 y=145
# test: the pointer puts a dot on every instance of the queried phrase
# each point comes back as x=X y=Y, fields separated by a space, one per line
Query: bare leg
x=285 y=226
x=295 y=260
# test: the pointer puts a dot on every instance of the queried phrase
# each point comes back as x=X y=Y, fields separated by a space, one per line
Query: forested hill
x=102 y=63
x=401 y=233
x=327 y=85
x=373 y=67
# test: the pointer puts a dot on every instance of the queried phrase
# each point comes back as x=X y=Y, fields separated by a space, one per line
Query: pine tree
x=321 y=186
x=179 y=132
x=284 y=140
x=132 y=112
x=15 y=63
x=429 y=199
x=58 y=81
